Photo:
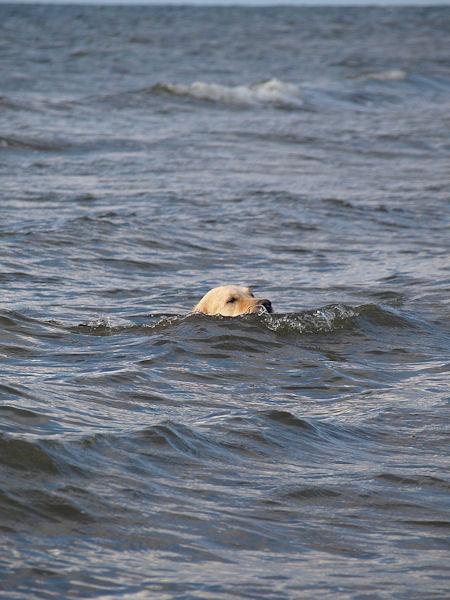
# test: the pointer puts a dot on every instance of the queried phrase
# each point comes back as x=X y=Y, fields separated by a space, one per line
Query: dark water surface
x=148 y=154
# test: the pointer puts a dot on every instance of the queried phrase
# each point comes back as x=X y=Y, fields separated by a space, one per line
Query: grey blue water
x=149 y=154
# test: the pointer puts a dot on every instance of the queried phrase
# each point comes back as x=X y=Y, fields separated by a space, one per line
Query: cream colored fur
x=231 y=301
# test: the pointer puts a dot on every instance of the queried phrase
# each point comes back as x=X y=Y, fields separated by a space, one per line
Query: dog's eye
x=231 y=300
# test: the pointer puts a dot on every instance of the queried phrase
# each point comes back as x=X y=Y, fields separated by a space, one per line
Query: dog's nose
x=267 y=305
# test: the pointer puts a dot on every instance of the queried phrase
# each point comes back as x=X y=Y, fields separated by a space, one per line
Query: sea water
x=149 y=154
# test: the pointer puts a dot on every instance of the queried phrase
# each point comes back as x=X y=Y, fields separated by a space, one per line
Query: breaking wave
x=333 y=318
x=327 y=319
x=387 y=75
x=269 y=92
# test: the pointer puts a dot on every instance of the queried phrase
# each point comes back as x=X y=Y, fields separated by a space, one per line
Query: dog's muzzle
x=266 y=305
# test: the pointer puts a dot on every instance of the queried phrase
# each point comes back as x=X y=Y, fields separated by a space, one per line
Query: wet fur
x=231 y=301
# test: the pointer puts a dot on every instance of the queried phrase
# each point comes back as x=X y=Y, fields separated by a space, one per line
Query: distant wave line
x=270 y=91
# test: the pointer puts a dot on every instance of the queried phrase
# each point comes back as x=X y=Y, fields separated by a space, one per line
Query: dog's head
x=231 y=301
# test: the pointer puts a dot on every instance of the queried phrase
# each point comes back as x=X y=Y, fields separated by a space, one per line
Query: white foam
x=100 y=323
x=389 y=75
x=272 y=91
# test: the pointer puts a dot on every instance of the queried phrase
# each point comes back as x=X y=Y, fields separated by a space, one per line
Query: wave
x=327 y=319
x=11 y=103
x=322 y=320
x=236 y=437
x=269 y=92
x=60 y=483
x=103 y=325
x=387 y=75
x=333 y=318
x=26 y=455
x=228 y=438
x=32 y=143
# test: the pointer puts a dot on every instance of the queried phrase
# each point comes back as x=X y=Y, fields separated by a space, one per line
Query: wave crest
x=332 y=318
x=387 y=75
x=327 y=319
x=271 y=92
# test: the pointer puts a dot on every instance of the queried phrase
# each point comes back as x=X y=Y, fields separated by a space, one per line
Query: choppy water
x=148 y=154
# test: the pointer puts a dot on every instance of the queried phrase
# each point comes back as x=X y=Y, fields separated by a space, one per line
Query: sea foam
x=271 y=91
x=388 y=75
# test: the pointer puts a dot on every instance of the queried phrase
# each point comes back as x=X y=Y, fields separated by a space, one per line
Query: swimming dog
x=231 y=301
